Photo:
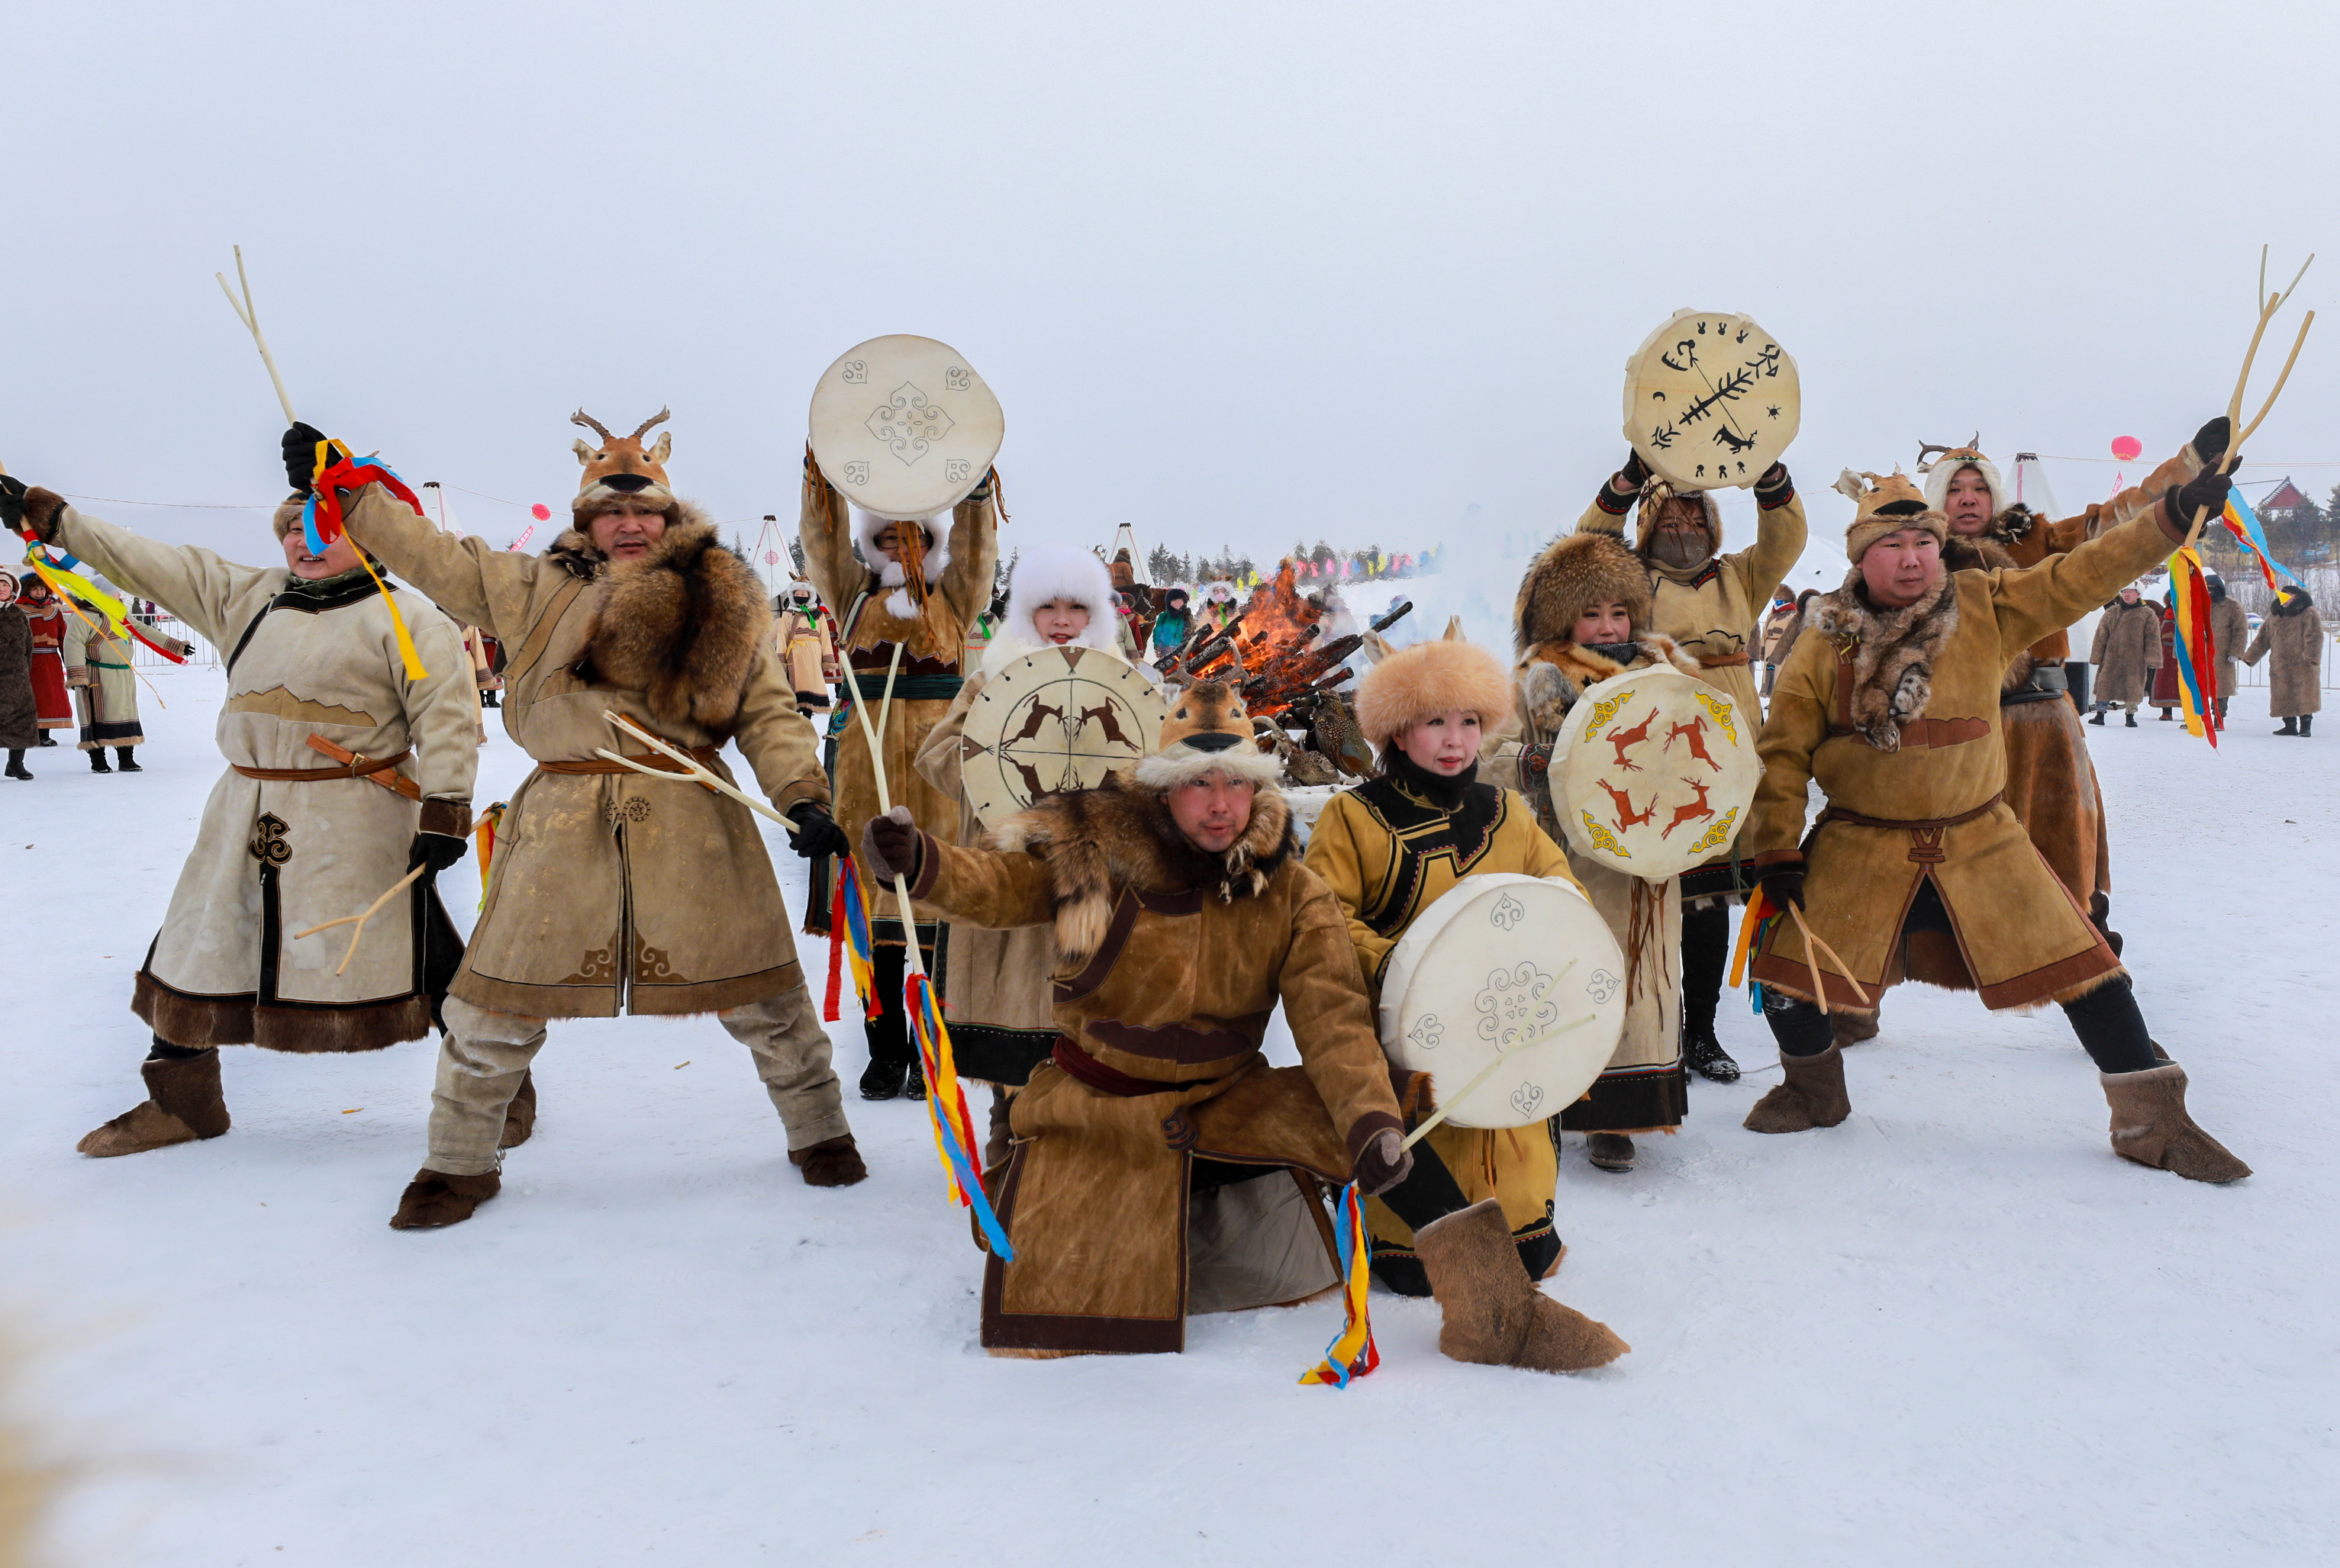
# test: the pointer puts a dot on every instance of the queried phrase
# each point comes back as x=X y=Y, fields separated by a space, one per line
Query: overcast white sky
x=1238 y=272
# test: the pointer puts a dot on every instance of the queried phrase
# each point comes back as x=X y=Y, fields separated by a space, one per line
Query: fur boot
x=434 y=1198
x=1612 y=1152
x=832 y=1162
x=1853 y=1028
x=1494 y=1315
x=183 y=1103
x=2151 y=1127
x=1813 y=1095
x=128 y=758
x=519 y=1115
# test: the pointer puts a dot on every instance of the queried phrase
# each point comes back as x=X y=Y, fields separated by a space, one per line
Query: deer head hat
x=622 y=470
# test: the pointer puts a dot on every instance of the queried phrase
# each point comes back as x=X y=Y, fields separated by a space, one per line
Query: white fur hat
x=867 y=526
x=1046 y=572
x=1946 y=467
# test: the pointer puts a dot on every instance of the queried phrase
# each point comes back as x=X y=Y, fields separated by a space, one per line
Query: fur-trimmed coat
x=602 y=883
x=2230 y=632
x=274 y=856
x=19 y=715
x=1169 y=962
x=2295 y=637
x=933 y=662
x=1896 y=712
x=2125 y=652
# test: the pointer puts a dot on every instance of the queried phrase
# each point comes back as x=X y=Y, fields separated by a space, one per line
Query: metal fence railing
x=143 y=657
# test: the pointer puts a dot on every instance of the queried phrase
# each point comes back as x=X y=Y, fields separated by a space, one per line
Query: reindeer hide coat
x=1170 y=962
x=612 y=891
x=2127 y=651
x=1896 y=712
x=2296 y=638
x=277 y=856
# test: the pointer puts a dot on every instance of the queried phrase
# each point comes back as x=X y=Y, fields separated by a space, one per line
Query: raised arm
x=475 y=583
x=1615 y=497
x=975 y=553
x=2032 y=601
x=1780 y=534
x=192 y=583
x=825 y=529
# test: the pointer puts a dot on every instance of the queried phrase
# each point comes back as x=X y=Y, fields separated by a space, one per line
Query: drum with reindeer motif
x=1051 y=722
x=1653 y=771
x=903 y=427
x=1710 y=400
x=1509 y=992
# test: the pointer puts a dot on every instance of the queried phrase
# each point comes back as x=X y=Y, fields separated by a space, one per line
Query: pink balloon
x=540 y=512
x=2127 y=447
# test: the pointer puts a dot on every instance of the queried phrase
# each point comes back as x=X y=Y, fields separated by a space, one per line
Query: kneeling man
x=1182 y=915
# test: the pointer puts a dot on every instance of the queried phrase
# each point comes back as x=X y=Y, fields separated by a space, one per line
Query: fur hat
x=1414 y=683
x=1574 y=573
x=1885 y=504
x=1046 y=572
x=1943 y=469
x=1207 y=730
x=867 y=526
x=288 y=515
x=1218 y=591
x=1655 y=493
x=621 y=471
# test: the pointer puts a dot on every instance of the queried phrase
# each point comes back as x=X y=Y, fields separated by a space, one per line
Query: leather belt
x=1838 y=813
x=656 y=761
x=1722 y=661
x=1079 y=1064
x=359 y=768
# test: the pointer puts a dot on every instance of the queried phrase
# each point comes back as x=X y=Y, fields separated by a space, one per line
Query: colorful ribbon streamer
x=483 y=835
x=2244 y=524
x=321 y=525
x=54 y=567
x=947 y=1112
x=2197 y=668
x=850 y=944
x=1352 y=1354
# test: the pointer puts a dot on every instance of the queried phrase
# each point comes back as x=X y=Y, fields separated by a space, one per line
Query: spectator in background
x=2126 y=649
x=2293 y=632
x=2230 y=628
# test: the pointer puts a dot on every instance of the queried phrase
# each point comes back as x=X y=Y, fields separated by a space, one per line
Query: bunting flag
x=953 y=1130
x=2197 y=670
x=1352 y=1354
x=2244 y=524
x=484 y=835
x=321 y=525
x=850 y=945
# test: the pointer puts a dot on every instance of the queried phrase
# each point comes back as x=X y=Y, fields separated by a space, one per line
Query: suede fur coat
x=1169 y=961
x=603 y=879
x=2293 y=632
x=1896 y=714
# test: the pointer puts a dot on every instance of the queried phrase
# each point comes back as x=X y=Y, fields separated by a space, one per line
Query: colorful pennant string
x=1352 y=1354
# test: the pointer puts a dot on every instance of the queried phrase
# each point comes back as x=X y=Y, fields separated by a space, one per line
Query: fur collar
x=1100 y=841
x=683 y=624
x=1893 y=652
x=1977 y=553
x=1555 y=673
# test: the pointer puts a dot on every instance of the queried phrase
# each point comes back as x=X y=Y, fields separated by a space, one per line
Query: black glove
x=1784 y=885
x=892 y=846
x=1383 y=1163
x=299 y=446
x=2205 y=492
x=436 y=850
x=2210 y=441
x=816 y=832
x=11 y=502
x=1635 y=473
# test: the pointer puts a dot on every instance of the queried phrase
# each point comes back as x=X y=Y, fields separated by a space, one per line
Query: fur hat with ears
x=1938 y=474
x=867 y=526
x=1430 y=679
x=1885 y=504
x=1207 y=730
x=621 y=471
x=1574 y=573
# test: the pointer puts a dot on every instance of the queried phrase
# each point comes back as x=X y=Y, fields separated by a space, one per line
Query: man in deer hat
x=292 y=837
x=882 y=606
x=1709 y=604
x=1183 y=916
x=1918 y=868
x=604 y=878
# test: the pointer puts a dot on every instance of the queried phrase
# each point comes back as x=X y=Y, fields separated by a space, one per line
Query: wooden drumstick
x=401 y=885
x=1814 y=945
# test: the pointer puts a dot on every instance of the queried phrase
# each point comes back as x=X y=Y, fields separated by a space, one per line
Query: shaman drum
x=1051 y=722
x=1511 y=992
x=1652 y=771
x=1710 y=400
x=903 y=427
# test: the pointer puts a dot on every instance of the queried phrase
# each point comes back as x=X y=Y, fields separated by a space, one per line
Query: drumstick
x=394 y=890
x=250 y=320
x=1814 y=945
x=1484 y=1074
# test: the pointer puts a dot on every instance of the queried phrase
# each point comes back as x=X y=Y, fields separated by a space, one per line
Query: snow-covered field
x=1955 y=1330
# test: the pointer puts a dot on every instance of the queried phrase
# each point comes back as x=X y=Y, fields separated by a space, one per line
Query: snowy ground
x=1954 y=1330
